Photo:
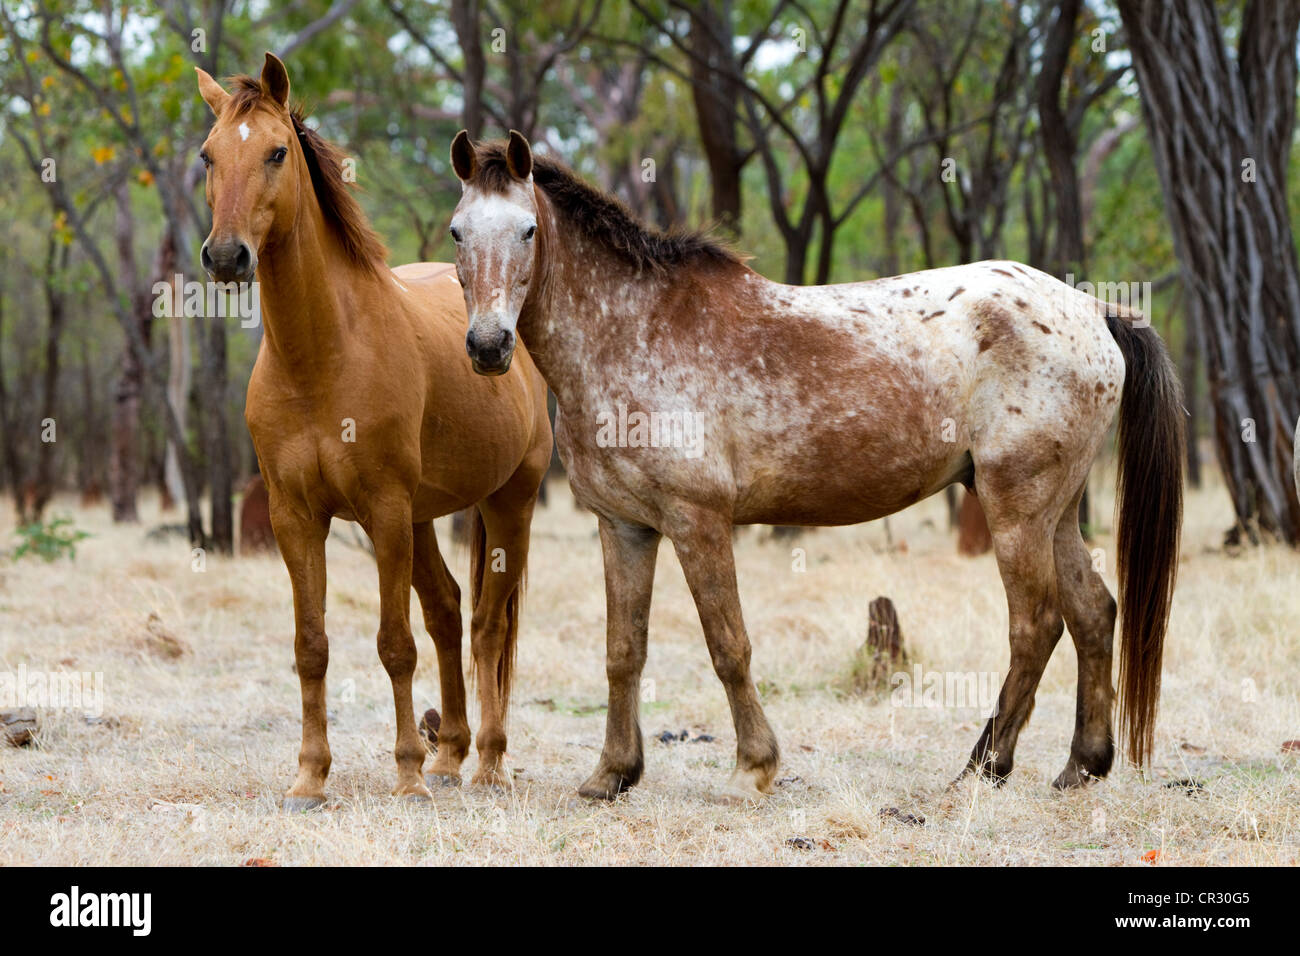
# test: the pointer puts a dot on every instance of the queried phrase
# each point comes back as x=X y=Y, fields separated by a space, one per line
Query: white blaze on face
x=494 y=258
x=244 y=131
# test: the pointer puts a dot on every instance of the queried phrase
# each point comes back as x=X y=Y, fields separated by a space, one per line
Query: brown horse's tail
x=1149 y=496
x=478 y=562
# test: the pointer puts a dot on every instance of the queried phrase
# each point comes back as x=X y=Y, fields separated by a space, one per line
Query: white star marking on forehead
x=494 y=211
x=243 y=131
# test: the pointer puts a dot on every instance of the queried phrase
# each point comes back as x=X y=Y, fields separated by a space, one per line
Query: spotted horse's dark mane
x=600 y=216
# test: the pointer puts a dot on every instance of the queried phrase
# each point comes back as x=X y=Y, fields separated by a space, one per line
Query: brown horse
x=695 y=394
x=361 y=406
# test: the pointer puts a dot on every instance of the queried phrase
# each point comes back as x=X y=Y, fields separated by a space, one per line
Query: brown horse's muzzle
x=229 y=260
x=490 y=351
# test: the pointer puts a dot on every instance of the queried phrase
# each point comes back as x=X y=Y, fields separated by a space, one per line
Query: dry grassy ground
x=199 y=735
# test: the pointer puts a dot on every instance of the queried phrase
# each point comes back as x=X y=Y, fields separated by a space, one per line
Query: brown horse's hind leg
x=703 y=546
x=1023 y=523
x=630 y=552
x=302 y=545
x=440 y=601
x=389 y=526
x=1089 y=613
x=495 y=621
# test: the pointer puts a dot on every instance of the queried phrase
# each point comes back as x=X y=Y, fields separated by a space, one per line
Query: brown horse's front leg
x=301 y=540
x=703 y=546
x=629 y=552
x=389 y=527
x=440 y=599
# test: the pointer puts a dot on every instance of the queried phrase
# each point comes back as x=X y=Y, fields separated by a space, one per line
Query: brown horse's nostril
x=229 y=260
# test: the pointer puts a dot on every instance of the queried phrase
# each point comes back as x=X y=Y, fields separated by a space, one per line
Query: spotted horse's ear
x=463 y=159
x=519 y=156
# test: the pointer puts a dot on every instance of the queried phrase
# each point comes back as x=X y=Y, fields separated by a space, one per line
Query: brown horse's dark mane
x=325 y=163
x=600 y=216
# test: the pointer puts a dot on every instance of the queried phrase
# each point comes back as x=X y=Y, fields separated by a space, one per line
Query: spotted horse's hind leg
x=1089 y=612
x=1023 y=506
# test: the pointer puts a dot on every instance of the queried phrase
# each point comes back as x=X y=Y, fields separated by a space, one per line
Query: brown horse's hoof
x=433 y=780
x=495 y=787
x=413 y=793
x=302 y=804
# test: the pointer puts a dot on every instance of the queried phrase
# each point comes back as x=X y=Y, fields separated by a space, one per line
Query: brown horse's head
x=254 y=167
x=493 y=227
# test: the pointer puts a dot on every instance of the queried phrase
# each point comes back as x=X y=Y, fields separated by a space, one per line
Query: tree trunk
x=1220 y=128
x=178 y=369
x=796 y=258
x=891 y=190
x=123 y=469
x=465 y=15
x=973 y=536
x=91 y=450
x=56 y=264
x=8 y=436
x=717 y=96
x=1060 y=147
x=1191 y=376
x=216 y=422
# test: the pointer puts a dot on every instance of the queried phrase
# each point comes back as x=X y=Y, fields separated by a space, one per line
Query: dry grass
x=200 y=731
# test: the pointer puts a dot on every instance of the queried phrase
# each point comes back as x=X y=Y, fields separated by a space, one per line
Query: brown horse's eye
x=206 y=159
x=529 y=233
x=279 y=155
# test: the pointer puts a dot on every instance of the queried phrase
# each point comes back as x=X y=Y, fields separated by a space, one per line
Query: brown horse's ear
x=463 y=160
x=275 y=79
x=211 y=92
x=519 y=156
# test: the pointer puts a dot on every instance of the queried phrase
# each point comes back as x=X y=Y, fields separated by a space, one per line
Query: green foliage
x=49 y=540
x=392 y=99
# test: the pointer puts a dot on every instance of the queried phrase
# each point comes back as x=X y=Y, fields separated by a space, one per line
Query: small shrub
x=50 y=540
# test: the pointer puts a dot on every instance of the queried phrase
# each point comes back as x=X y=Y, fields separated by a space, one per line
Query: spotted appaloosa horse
x=824 y=406
x=361 y=406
